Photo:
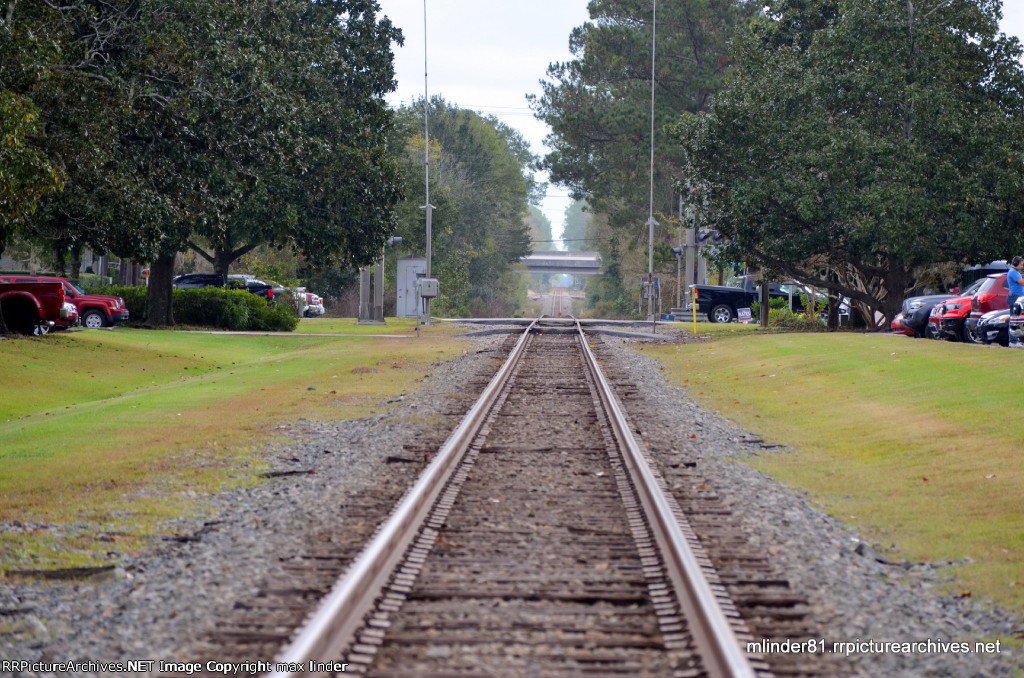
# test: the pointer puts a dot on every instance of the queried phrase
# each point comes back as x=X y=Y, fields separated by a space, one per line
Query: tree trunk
x=223 y=258
x=833 y=312
x=160 y=294
x=76 y=260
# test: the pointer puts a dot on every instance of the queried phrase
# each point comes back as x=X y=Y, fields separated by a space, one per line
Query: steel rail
x=714 y=636
x=333 y=626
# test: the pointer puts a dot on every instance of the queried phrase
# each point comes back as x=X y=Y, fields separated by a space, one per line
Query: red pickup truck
x=32 y=307
x=94 y=310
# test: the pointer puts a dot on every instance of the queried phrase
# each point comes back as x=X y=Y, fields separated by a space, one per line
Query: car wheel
x=93 y=320
x=971 y=336
x=932 y=331
x=40 y=330
x=721 y=314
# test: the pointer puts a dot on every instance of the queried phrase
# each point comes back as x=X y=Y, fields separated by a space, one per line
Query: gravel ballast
x=156 y=605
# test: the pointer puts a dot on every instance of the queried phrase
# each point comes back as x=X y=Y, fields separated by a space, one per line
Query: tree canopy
x=540 y=231
x=598 y=106
x=481 y=189
x=859 y=140
x=210 y=123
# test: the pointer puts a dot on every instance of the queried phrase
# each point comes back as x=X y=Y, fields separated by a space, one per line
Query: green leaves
x=480 y=187
x=236 y=123
x=598 y=105
x=858 y=142
x=26 y=175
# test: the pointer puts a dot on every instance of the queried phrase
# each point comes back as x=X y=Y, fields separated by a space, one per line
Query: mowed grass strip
x=918 y=443
x=349 y=326
x=117 y=430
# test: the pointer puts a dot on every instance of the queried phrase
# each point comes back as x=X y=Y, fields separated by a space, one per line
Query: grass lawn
x=917 y=443
x=402 y=326
x=112 y=431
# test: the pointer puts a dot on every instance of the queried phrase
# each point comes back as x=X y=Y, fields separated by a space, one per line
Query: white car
x=314 y=306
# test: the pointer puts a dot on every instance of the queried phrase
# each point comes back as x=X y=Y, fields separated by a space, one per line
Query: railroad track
x=559 y=303
x=539 y=541
x=528 y=546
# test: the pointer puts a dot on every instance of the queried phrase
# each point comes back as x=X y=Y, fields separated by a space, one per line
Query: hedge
x=213 y=307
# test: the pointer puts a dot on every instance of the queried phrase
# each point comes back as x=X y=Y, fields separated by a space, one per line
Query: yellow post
x=694 y=307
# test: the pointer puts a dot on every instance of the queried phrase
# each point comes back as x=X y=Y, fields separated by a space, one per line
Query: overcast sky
x=486 y=55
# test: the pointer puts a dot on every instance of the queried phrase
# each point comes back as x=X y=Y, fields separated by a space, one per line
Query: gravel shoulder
x=158 y=603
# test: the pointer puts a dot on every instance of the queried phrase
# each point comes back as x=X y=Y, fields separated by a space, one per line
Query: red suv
x=94 y=310
x=952 y=315
x=991 y=296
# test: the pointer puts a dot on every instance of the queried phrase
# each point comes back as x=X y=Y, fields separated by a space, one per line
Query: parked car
x=72 y=320
x=912 y=320
x=191 y=281
x=916 y=318
x=94 y=310
x=898 y=326
x=1015 y=327
x=250 y=283
x=953 y=314
x=720 y=303
x=991 y=296
x=993 y=327
x=32 y=307
x=314 y=306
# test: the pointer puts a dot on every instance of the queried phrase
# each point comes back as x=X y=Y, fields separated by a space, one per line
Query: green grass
x=402 y=326
x=915 y=442
x=119 y=430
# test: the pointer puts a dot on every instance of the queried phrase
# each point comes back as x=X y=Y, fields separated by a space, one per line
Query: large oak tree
x=223 y=123
x=860 y=140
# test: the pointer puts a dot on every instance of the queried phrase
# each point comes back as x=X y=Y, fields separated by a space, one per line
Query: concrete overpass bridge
x=572 y=263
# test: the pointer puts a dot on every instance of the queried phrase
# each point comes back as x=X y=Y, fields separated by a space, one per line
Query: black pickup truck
x=189 y=281
x=721 y=303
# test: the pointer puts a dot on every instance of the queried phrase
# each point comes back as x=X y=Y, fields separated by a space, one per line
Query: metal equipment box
x=410 y=269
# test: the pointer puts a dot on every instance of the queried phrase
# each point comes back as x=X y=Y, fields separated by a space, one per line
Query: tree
x=884 y=138
x=481 y=189
x=574 y=233
x=273 y=128
x=26 y=175
x=237 y=123
x=598 y=106
x=319 y=178
x=540 y=230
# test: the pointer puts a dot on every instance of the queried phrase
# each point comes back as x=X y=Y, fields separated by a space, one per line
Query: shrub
x=135 y=299
x=783 y=317
x=773 y=304
x=213 y=307
x=93 y=283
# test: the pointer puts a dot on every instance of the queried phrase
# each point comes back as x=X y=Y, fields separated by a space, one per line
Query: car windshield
x=975 y=286
x=76 y=287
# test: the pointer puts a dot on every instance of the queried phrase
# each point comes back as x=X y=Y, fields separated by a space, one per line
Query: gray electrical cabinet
x=409 y=270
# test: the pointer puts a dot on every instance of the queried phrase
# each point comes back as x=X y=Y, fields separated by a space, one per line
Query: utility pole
x=426 y=291
x=651 y=223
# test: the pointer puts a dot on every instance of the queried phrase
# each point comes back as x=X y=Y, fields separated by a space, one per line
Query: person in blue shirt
x=1013 y=280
